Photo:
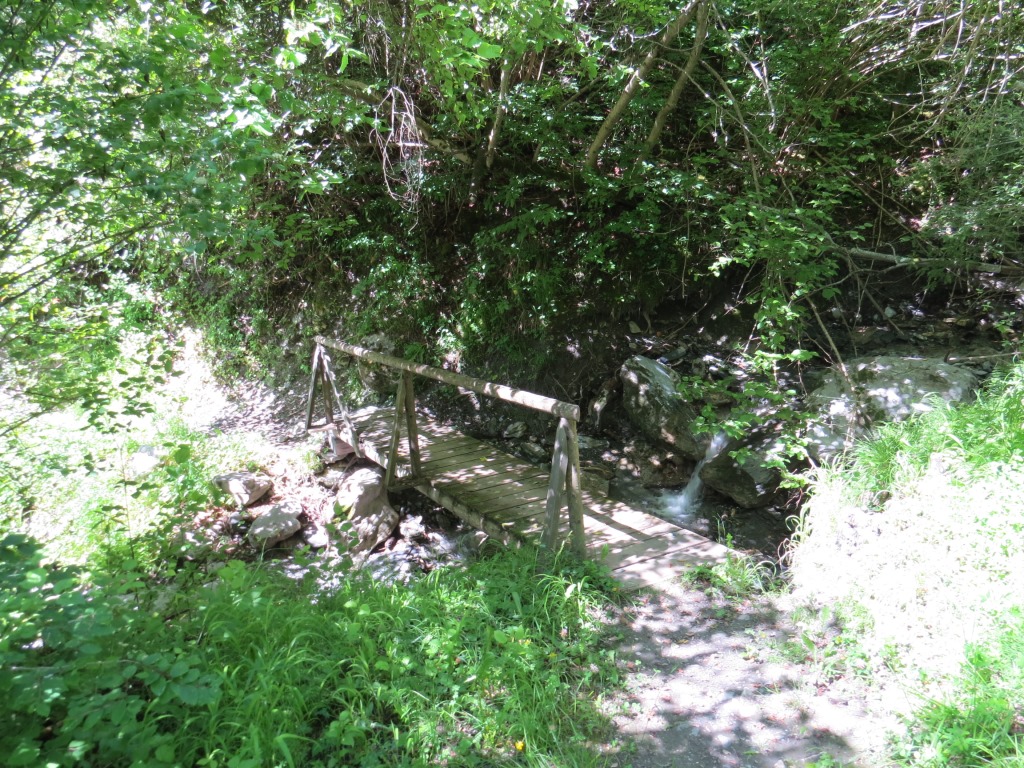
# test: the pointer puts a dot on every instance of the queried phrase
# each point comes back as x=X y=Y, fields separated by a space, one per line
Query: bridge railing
x=564 y=488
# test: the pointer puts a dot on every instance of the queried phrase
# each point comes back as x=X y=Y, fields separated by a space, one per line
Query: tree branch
x=911 y=262
x=499 y=116
x=677 y=90
x=639 y=75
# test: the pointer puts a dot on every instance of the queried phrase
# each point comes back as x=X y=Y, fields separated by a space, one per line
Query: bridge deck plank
x=504 y=494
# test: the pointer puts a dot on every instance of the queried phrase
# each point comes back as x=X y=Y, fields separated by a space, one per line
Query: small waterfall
x=681 y=506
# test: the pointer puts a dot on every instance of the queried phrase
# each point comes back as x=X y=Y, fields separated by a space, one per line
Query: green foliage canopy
x=272 y=171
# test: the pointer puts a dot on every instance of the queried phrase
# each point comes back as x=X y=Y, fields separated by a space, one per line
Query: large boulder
x=245 y=487
x=748 y=480
x=879 y=390
x=363 y=497
x=650 y=394
x=275 y=525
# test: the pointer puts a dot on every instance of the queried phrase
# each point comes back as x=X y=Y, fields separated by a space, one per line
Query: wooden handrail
x=564 y=483
x=499 y=391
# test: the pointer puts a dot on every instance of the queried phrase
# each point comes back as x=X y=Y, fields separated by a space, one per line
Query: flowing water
x=680 y=507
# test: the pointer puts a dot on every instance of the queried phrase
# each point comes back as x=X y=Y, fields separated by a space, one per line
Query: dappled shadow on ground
x=709 y=684
x=253 y=407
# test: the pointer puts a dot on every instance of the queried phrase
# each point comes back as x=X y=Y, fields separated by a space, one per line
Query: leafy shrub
x=87 y=675
x=463 y=667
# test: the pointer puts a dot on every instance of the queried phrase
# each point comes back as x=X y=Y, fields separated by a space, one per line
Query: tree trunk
x=485 y=162
x=677 y=89
x=638 y=76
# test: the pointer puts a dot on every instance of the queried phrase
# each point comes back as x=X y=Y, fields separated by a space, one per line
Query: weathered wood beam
x=410 y=424
x=351 y=437
x=498 y=391
x=312 y=386
x=470 y=516
x=577 y=536
x=396 y=436
x=556 y=488
x=325 y=391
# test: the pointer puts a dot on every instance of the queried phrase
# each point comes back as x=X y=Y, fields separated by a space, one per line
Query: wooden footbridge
x=504 y=496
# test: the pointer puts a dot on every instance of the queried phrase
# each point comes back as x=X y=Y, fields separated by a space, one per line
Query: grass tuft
x=739 y=577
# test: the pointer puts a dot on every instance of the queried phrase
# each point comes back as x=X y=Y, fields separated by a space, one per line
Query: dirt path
x=708 y=684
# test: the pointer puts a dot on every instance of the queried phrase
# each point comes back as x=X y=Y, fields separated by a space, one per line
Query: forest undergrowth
x=122 y=644
x=121 y=648
x=487 y=188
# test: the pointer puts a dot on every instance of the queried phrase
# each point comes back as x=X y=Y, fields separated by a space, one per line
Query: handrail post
x=556 y=487
x=574 y=493
x=396 y=435
x=325 y=391
x=317 y=351
x=410 y=423
x=405 y=411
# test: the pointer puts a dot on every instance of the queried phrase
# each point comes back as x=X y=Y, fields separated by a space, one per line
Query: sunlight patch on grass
x=921 y=534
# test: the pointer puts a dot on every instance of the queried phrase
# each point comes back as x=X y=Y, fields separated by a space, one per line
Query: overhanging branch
x=912 y=262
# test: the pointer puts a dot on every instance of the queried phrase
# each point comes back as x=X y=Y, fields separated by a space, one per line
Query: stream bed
x=762 y=532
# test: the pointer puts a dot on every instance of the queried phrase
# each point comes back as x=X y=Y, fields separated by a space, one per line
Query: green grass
x=738 y=577
x=920 y=534
x=461 y=668
x=117 y=651
x=979 y=721
x=490 y=665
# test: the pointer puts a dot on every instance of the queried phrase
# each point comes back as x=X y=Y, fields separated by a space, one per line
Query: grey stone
x=880 y=389
x=359 y=489
x=515 y=431
x=316 y=536
x=653 y=466
x=536 y=452
x=331 y=479
x=276 y=524
x=650 y=393
x=748 y=481
x=246 y=487
x=238 y=522
x=372 y=517
x=471 y=543
x=592 y=444
x=411 y=527
x=605 y=395
x=674 y=355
